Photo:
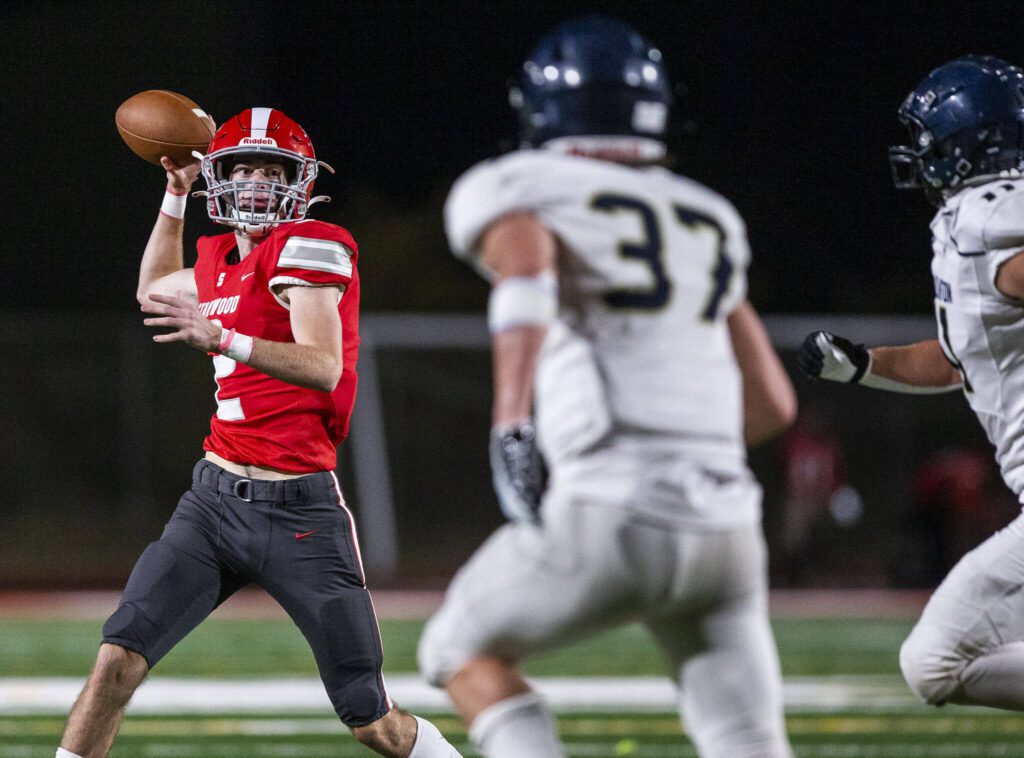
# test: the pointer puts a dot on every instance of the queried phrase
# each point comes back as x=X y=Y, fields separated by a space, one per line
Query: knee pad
x=440 y=654
x=435 y=655
x=929 y=669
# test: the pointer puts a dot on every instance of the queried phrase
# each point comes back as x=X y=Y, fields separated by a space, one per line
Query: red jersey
x=261 y=420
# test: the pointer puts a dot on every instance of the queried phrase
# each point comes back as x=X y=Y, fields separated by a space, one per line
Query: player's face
x=264 y=173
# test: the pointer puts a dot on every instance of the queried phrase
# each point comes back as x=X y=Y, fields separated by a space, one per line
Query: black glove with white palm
x=518 y=471
x=826 y=356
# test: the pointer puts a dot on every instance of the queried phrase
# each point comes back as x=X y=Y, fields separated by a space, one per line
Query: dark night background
x=795 y=104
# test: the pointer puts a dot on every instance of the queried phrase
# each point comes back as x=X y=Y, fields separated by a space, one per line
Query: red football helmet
x=256 y=207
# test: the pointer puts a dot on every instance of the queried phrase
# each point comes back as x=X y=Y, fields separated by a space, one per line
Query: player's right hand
x=518 y=472
x=180 y=178
x=826 y=356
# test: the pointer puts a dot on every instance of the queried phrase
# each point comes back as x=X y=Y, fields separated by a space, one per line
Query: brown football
x=158 y=122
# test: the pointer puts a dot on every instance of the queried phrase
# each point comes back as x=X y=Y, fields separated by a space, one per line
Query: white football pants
x=968 y=646
x=701 y=592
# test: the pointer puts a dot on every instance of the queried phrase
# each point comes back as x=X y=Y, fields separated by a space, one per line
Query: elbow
x=773 y=416
x=142 y=295
x=786 y=409
x=782 y=412
x=329 y=381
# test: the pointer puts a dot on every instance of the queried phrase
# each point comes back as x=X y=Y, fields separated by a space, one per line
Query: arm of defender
x=314 y=360
x=521 y=251
x=163 y=269
x=769 y=400
x=921 y=368
x=516 y=246
x=1010 y=277
x=921 y=365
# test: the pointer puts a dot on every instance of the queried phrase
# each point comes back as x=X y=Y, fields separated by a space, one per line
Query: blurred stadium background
x=868 y=501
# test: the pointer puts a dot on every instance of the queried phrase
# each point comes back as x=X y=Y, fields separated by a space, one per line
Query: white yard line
x=256 y=696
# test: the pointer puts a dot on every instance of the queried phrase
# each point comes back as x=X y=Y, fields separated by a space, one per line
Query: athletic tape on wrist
x=173 y=204
x=234 y=345
x=869 y=379
x=523 y=301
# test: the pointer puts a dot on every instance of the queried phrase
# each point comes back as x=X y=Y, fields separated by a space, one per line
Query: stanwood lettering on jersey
x=260 y=419
x=219 y=306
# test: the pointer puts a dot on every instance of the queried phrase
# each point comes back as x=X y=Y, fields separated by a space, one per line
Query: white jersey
x=980 y=330
x=650 y=265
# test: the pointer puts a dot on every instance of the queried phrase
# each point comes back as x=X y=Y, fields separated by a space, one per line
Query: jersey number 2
x=650 y=249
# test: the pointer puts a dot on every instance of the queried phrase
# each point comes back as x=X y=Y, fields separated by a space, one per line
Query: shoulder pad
x=991 y=217
x=519 y=181
x=214 y=242
x=318 y=230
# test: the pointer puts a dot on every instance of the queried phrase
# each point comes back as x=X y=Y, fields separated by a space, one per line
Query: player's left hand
x=518 y=472
x=182 y=315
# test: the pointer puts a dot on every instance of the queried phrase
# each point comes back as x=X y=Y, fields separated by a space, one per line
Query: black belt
x=280 y=491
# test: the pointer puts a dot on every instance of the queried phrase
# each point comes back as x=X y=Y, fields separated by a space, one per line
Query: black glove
x=826 y=356
x=518 y=472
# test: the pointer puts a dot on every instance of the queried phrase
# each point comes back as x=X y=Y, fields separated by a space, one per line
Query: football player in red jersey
x=276 y=303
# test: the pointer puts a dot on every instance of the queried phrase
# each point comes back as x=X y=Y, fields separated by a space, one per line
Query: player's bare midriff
x=250 y=471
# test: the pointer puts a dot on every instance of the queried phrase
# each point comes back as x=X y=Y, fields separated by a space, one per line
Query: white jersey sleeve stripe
x=319 y=255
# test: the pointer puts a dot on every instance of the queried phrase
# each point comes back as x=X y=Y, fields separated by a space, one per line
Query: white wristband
x=173 y=204
x=234 y=345
x=523 y=301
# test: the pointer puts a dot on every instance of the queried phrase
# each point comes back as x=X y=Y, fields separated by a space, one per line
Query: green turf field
x=255 y=648
x=826 y=651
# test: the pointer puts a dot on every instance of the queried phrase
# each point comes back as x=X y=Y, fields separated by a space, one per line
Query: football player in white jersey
x=627 y=354
x=966 y=123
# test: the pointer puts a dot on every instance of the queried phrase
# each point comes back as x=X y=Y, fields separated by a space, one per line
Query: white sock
x=62 y=753
x=518 y=727
x=429 y=742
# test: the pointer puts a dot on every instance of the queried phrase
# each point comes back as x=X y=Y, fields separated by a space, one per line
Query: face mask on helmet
x=966 y=125
x=594 y=85
x=259 y=172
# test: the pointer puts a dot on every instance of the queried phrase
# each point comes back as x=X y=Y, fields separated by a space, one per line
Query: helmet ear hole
x=947 y=148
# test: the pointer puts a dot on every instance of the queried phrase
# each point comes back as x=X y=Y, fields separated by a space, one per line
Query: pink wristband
x=236 y=346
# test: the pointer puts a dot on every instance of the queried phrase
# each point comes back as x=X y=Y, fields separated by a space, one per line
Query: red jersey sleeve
x=314 y=254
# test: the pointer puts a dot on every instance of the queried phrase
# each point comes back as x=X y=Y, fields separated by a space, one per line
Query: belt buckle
x=243 y=486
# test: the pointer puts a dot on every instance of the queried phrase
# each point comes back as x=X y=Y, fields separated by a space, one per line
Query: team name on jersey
x=219 y=305
x=943 y=291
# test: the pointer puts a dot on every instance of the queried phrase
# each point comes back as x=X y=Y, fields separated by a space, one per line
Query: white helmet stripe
x=260 y=118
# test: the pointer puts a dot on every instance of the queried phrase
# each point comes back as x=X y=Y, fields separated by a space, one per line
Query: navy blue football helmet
x=966 y=121
x=593 y=76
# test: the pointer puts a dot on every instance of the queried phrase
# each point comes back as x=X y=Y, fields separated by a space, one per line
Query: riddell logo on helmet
x=264 y=141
